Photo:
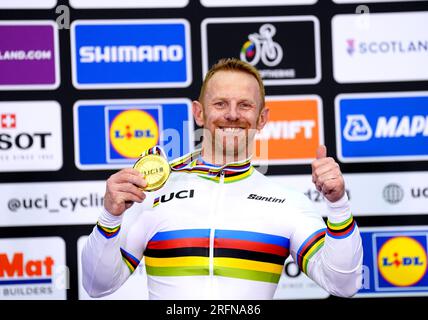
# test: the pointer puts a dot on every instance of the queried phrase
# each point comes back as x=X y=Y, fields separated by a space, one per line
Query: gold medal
x=155 y=169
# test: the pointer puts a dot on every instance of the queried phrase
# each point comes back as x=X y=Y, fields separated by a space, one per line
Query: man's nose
x=232 y=113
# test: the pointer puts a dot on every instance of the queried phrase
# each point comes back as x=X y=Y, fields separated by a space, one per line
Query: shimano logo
x=357 y=128
x=124 y=54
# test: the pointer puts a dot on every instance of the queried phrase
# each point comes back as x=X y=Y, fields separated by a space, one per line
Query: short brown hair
x=233 y=64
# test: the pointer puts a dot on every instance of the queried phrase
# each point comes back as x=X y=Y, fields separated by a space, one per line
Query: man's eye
x=220 y=104
x=245 y=105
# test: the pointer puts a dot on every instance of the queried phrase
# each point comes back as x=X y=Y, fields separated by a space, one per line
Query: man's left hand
x=327 y=177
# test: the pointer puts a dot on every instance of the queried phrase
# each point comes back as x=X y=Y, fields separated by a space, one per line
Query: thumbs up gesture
x=327 y=177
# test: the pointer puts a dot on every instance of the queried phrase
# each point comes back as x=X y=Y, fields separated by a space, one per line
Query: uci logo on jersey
x=401 y=261
x=382 y=127
x=183 y=194
x=131 y=53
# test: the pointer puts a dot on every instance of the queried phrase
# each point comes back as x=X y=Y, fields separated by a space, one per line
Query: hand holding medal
x=155 y=168
x=127 y=186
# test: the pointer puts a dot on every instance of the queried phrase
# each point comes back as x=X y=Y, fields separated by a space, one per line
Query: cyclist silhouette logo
x=261 y=46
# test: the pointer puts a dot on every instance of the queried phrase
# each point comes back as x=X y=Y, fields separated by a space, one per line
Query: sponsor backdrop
x=87 y=85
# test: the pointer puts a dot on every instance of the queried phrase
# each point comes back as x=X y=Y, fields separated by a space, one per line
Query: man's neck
x=221 y=157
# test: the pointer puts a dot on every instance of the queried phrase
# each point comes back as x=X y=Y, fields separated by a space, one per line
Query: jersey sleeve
x=331 y=255
x=112 y=252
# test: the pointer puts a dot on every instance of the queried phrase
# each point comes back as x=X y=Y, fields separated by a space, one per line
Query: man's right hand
x=123 y=189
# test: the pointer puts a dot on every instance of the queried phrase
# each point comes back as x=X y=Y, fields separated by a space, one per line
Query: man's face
x=231 y=112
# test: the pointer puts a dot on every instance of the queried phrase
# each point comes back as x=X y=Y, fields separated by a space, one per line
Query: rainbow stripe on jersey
x=341 y=230
x=311 y=246
x=237 y=254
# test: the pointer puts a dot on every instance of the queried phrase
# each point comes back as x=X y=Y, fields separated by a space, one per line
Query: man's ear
x=198 y=113
x=263 y=118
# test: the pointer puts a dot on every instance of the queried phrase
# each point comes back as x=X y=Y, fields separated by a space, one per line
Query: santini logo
x=268 y=199
x=113 y=54
x=183 y=194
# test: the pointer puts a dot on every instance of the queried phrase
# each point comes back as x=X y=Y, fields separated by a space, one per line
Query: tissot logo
x=253 y=196
x=8 y=121
x=30 y=136
x=183 y=194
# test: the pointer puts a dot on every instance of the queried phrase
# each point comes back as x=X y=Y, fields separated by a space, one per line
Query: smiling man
x=219 y=229
x=231 y=109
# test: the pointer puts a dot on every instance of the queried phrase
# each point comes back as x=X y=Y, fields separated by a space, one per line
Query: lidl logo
x=112 y=134
x=402 y=261
x=395 y=261
x=382 y=127
x=132 y=131
x=131 y=53
x=293 y=132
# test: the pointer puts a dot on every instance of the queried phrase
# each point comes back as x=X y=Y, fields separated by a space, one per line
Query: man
x=219 y=229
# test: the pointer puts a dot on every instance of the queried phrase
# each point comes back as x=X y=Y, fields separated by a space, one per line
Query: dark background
x=327 y=89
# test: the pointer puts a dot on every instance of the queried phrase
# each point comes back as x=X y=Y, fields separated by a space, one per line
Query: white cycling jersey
x=223 y=233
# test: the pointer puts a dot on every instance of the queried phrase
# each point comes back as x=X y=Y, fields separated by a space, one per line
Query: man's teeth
x=232 y=130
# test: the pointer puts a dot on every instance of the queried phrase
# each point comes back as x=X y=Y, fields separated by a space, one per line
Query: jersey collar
x=193 y=163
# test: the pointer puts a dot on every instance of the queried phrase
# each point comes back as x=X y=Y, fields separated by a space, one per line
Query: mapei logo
x=132 y=131
x=131 y=53
x=370 y=124
x=357 y=128
x=183 y=194
x=112 y=134
x=15 y=269
x=401 y=261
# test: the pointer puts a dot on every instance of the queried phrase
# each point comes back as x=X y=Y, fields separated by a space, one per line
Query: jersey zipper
x=216 y=205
